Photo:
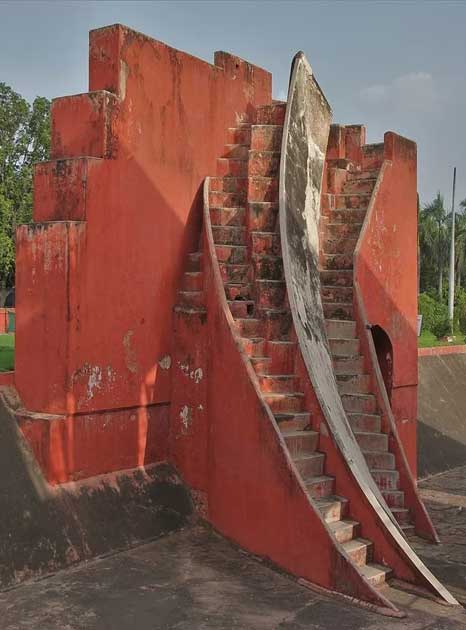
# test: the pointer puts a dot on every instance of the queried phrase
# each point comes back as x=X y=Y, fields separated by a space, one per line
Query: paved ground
x=195 y=580
x=445 y=498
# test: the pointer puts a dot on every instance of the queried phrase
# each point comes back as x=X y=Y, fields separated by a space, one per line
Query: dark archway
x=384 y=349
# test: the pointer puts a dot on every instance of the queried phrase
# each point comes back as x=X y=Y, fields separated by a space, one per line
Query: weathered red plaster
x=95 y=297
x=386 y=270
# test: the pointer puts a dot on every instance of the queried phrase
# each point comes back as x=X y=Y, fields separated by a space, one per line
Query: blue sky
x=396 y=66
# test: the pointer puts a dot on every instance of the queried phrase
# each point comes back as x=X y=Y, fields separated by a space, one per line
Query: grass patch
x=429 y=340
x=7 y=353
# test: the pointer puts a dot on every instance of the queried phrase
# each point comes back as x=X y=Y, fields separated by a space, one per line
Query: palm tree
x=434 y=213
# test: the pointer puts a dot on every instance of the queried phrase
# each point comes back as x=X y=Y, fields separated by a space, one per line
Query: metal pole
x=451 y=288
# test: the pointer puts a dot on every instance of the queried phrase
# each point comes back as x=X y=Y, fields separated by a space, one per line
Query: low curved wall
x=441 y=435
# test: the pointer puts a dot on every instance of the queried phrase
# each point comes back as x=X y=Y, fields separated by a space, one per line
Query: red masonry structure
x=160 y=316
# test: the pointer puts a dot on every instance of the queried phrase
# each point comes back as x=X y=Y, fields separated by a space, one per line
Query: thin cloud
x=414 y=91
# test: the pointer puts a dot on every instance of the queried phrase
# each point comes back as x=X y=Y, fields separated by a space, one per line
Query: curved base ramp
x=44 y=528
x=302 y=161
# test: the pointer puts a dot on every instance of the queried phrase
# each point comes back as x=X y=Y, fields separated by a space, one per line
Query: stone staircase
x=244 y=215
x=344 y=209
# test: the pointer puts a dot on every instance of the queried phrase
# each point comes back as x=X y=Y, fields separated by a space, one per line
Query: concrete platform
x=445 y=498
x=195 y=580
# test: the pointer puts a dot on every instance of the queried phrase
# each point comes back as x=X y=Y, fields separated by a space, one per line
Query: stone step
x=278 y=383
x=345 y=530
x=354 y=185
x=345 y=365
x=229 y=235
x=382 y=460
x=291 y=402
x=375 y=574
x=372 y=156
x=239 y=135
x=347 y=215
x=228 y=167
x=365 y=174
x=229 y=184
x=300 y=442
x=282 y=354
x=333 y=508
x=394 y=498
x=235 y=273
x=192 y=281
x=354 y=383
x=194 y=261
x=231 y=254
x=342 y=230
x=344 y=347
x=340 y=329
x=337 y=261
x=227 y=199
x=291 y=421
x=310 y=464
x=248 y=327
x=238 y=291
x=194 y=299
x=254 y=346
x=190 y=311
x=408 y=530
x=263 y=216
x=241 y=308
x=322 y=486
x=402 y=515
x=264 y=163
x=336 y=294
x=271 y=114
x=236 y=151
x=359 y=550
x=266 y=137
x=386 y=479
x=359 y=403
x=370 y=441
x=337 y=277
x=263 y=189
x=235 y=216
x=268 y=267
x=338 y=245
x=278 y=323
x=261 y=365
x=265 y=243
x=338 y=310
x=270 y=293
x=352 y=200
x=365 y=422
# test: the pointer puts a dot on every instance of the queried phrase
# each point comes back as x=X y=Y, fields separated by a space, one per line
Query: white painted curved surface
x=304 y=145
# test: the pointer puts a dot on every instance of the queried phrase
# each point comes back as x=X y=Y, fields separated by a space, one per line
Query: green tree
x=433 y=236
x=24 y=140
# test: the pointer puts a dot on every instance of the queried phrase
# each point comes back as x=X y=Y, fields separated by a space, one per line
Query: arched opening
x=384 y=349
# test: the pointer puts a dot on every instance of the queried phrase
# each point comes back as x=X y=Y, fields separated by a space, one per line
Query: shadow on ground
x=191 y=580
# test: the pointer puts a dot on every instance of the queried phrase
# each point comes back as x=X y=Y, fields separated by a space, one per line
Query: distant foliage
x=434 y=315
x=24 y=140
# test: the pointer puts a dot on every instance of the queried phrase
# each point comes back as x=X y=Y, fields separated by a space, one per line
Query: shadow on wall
x=384 y=350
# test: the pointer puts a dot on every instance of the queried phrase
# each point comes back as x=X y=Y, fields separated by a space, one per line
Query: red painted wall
x=96 y=281
x=386 y=270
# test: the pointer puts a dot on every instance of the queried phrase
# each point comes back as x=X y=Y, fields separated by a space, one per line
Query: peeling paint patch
x=130 y=353
x=186 y=416
x=94 y=381
x=165 y=362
